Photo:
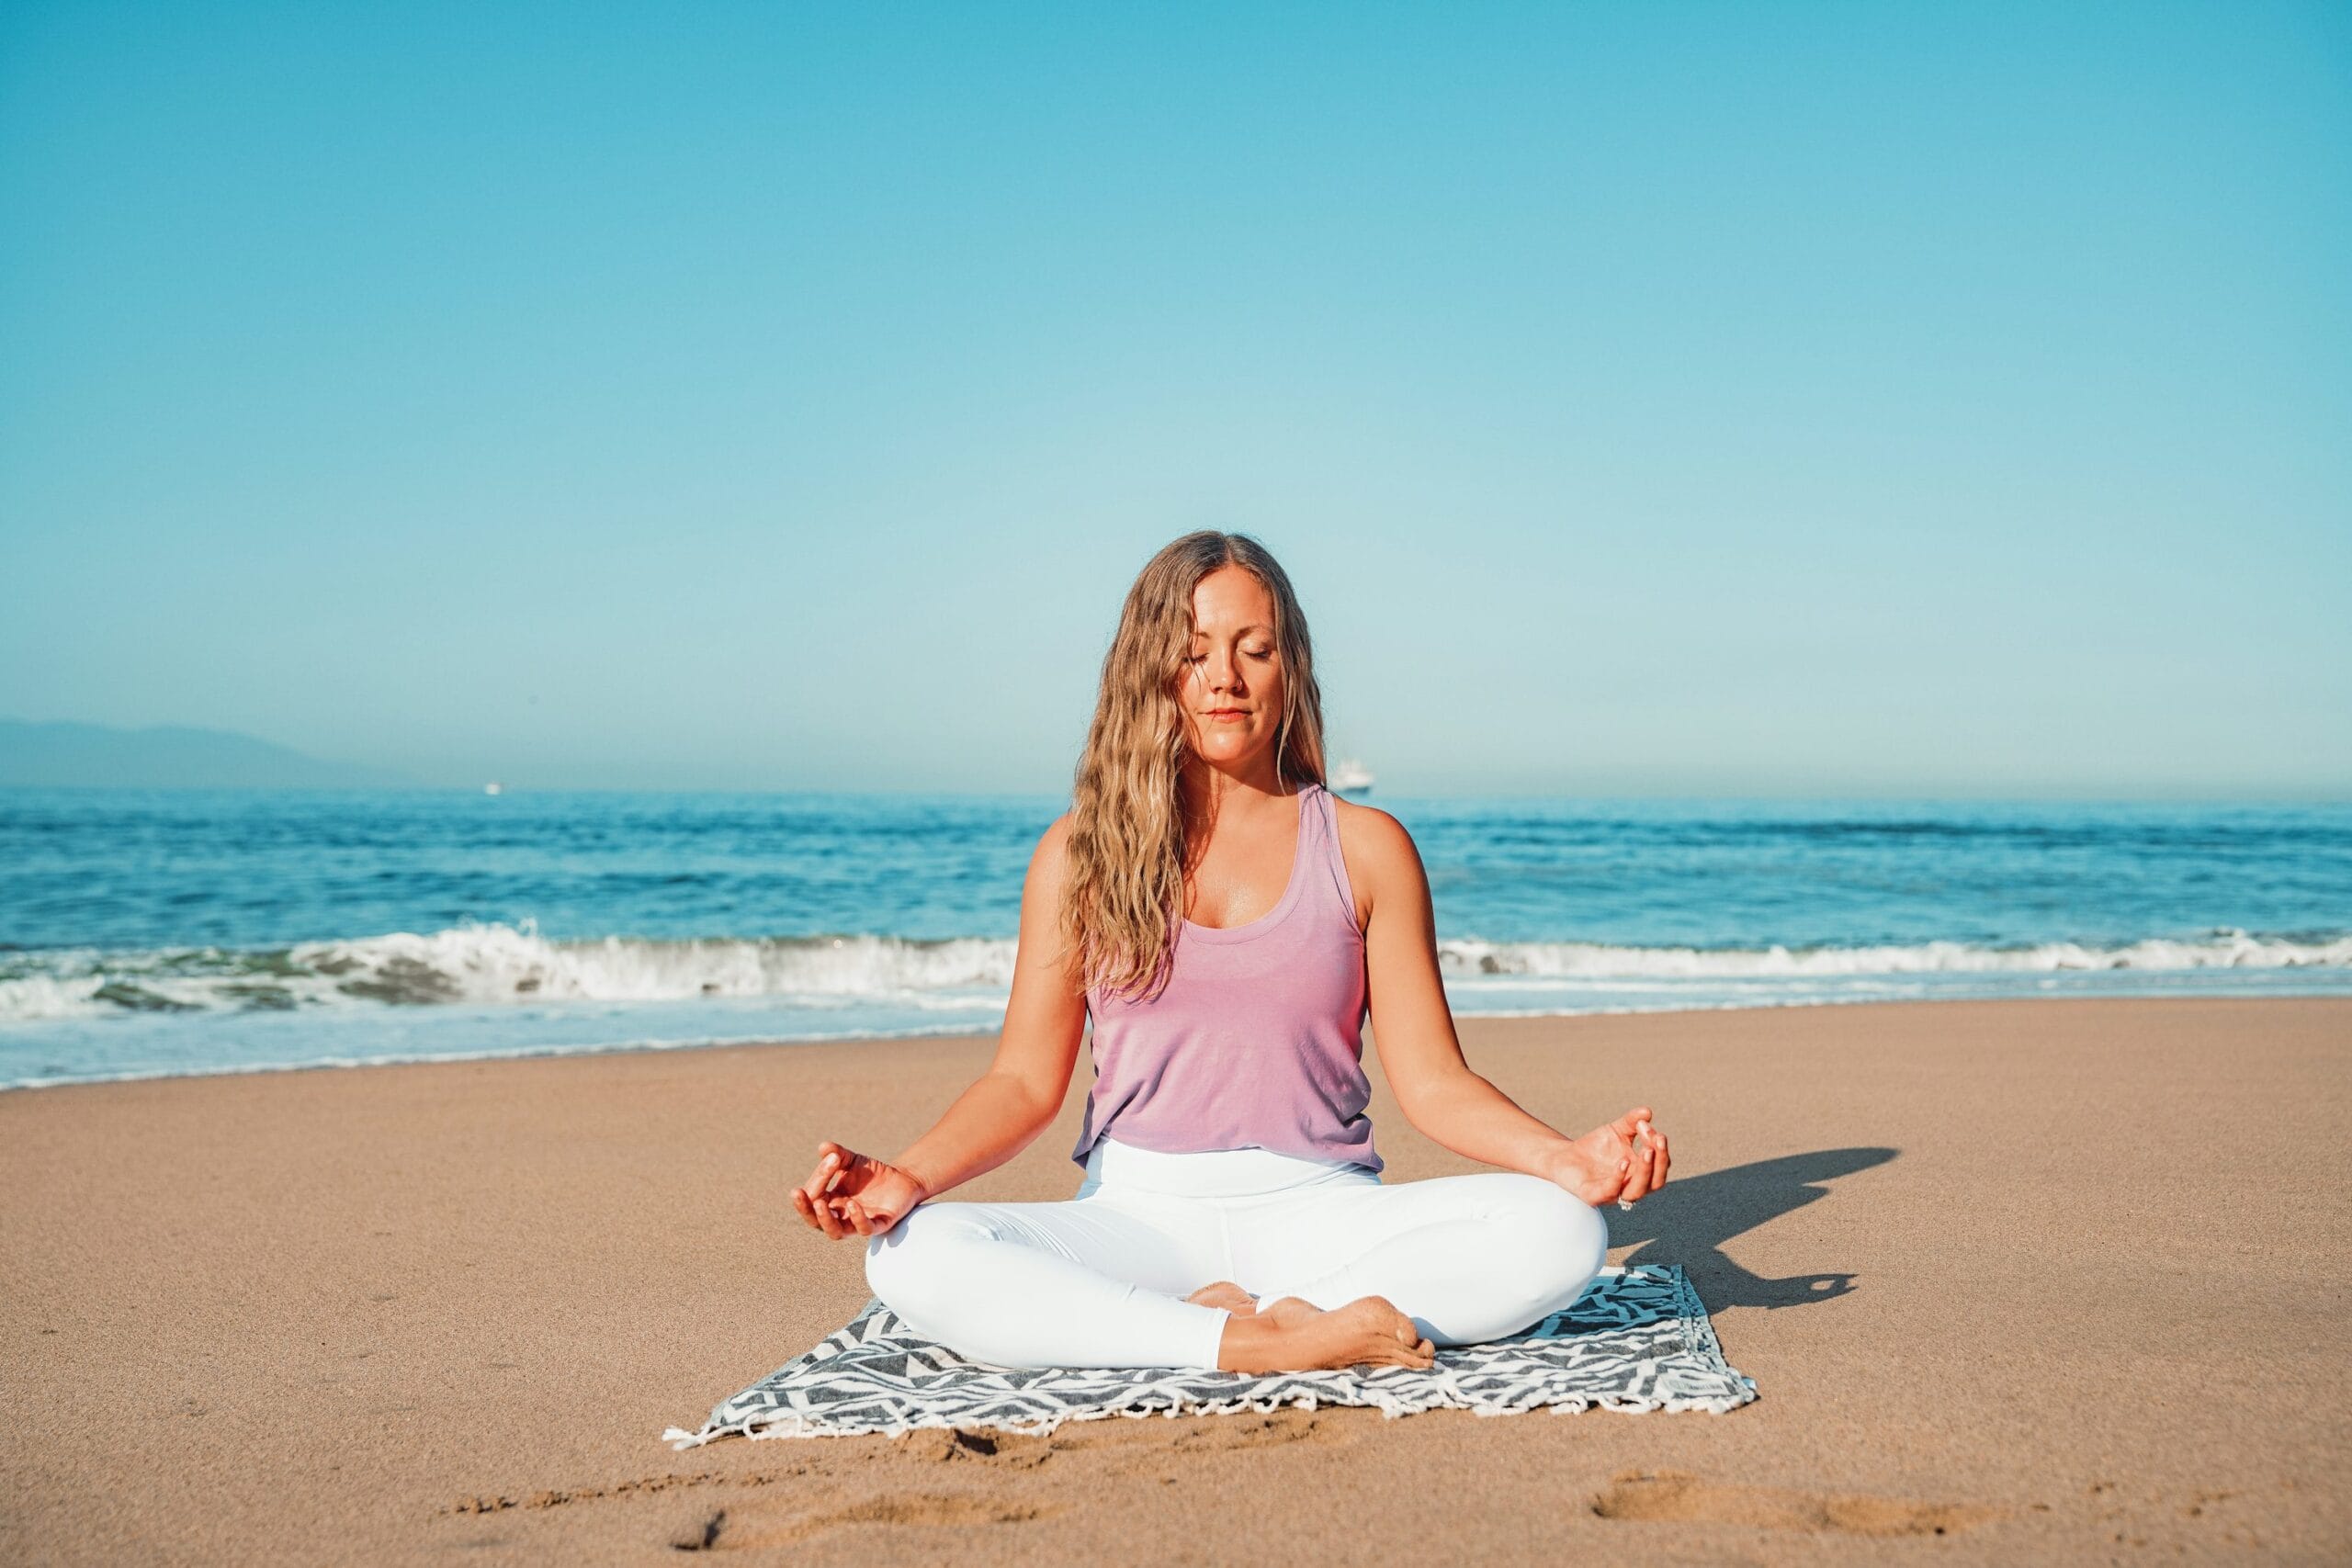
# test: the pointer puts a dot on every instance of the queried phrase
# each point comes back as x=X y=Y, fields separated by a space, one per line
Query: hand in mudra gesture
x=854 y=1194
x=1621 y=1161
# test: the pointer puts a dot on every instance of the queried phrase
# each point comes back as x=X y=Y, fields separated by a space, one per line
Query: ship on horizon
x=1351 y=777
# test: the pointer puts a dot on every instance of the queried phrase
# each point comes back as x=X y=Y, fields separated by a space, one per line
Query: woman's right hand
x=854 y=1194
x=1620 y=1161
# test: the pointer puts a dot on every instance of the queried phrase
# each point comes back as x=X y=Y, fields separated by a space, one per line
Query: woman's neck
x=1207 y=790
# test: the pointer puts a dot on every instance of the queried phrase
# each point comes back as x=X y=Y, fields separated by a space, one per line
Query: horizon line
x=1672 y=796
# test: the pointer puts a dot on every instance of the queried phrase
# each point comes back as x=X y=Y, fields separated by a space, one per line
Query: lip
x=1226 y=713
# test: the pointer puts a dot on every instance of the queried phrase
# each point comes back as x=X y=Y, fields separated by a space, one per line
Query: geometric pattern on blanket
x=1637 y=1339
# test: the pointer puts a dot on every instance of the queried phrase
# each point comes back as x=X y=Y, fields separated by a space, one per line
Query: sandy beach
x=2017 y=1279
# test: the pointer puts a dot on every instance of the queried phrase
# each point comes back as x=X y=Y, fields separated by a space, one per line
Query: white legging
x=1099 y=1279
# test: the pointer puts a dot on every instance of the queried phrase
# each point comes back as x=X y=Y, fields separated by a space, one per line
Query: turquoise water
x=177 y=931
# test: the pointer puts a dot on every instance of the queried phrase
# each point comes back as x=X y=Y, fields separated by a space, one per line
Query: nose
x=1220 y=672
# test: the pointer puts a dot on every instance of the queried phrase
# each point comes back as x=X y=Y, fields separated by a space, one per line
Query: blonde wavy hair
x=1122 y=884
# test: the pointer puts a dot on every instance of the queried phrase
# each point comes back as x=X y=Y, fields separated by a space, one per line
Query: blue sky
x=1701 y=399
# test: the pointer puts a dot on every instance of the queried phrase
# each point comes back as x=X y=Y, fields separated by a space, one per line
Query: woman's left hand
x=854 y=1194
x=1621 y=1161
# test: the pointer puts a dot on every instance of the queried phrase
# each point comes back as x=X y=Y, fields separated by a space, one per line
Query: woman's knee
x=909 y=1267
x=1561 y=1239
x=942 y=1270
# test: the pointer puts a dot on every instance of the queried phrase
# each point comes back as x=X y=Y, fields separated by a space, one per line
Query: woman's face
x=1231 y=691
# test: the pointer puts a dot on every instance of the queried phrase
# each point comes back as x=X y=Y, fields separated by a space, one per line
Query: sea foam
x=495 y=964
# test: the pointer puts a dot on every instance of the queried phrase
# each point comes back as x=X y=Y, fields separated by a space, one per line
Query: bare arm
x=1044 y=1022
x=1413 y=1029
x=1003 y=1111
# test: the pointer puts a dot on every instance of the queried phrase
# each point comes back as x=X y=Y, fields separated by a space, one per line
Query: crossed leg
x=1467 y=1258
x=1102 y=1282
x=1076 y=1283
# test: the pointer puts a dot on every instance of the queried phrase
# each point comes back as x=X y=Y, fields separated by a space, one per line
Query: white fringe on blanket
x=1636 y=1340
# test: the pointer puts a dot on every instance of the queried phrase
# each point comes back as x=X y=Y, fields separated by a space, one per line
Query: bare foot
x=1227 y=1294
x=1292 y=1336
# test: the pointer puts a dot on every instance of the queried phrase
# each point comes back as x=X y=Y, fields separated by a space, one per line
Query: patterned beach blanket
x=1637 y=1339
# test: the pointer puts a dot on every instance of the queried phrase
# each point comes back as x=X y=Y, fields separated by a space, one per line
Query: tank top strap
x=1323 y=822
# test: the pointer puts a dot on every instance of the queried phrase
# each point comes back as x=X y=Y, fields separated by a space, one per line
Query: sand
x=2018 y=1280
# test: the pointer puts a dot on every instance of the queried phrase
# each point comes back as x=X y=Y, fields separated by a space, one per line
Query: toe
x=1227 y=1294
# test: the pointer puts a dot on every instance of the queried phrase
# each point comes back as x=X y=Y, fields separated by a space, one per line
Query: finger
x=866 y=1221
x=827 y=1221
x=1628 y=1124
x=1639 y=1181
x=800 y=1207
x=818 y=1178
x=1665 y=1157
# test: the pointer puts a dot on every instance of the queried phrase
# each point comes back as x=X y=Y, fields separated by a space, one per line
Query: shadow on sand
x=1689 y=1220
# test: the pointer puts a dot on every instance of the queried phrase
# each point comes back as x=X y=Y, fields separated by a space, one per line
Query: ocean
x=146 y=933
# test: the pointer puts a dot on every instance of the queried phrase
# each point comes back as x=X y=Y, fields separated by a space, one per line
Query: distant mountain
x=85 y=756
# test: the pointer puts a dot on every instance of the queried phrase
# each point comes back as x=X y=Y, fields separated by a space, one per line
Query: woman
x=1228 y=921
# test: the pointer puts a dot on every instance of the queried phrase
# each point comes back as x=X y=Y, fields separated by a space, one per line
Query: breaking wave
x=491 y=964
x=1569 y=959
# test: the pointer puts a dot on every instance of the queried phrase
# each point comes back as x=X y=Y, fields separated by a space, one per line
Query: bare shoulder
x=1052 y=850
x=1369 y=825
x=1379 y=851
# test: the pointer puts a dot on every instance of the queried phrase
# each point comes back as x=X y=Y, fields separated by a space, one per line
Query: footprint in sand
x=1667 y=1496
x=728 y=1529
x=699 y=1533
x=1271 y=1430
x=1125 y=1443
x=950 y=1445
x=1209 y=1434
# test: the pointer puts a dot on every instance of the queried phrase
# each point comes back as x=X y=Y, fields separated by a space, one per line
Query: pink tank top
x=1257 y=1041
